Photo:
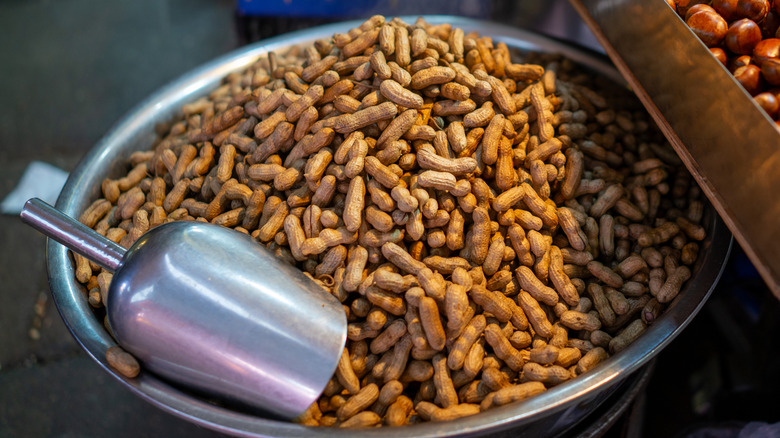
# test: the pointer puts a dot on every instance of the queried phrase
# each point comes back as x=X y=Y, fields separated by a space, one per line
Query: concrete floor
x=70 y=69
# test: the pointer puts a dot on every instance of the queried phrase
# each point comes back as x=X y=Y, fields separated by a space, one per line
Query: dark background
x=70 y=69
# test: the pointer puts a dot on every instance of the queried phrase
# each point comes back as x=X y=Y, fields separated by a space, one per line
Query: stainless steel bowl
x=547 y=414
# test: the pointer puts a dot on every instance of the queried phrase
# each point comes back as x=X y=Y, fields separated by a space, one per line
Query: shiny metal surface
x=548 y=414
x=207 y=307
x=727 y=142
x=72 y=233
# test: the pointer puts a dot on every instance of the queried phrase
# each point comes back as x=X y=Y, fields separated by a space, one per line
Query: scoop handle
x=72 y=233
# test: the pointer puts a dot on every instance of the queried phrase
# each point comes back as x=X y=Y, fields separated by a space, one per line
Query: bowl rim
x=126 y=136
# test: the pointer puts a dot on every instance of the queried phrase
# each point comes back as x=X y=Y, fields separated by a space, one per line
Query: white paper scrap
x=40 y=180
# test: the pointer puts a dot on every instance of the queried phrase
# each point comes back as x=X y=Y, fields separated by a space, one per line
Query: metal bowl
x=548 y=414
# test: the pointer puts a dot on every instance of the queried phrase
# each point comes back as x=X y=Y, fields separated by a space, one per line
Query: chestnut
x=726 y=8
x=719 y=54
x=775 y=91
x=750 y=78
x=708 y=26
x=683 y=5
x=739 y=61
x=698 y=8
x=742 y=36
x=768 y=102
x=770 y=24
x=770 y=70
x=766 y=49
x=755 y=10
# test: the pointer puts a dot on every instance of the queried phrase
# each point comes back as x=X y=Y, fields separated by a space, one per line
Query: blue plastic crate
x=362 y=8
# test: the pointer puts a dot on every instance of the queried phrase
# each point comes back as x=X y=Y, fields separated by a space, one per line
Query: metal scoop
x=209 y=308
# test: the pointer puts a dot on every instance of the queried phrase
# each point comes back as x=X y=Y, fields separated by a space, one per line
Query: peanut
x=399 y=257
x=428 y=159
x=530 y=283
x=504 y=350
x=397 y=127
x=580 y=321
x=396 y=93
x=627 y=335
x=605 y=274
x=123 y=362
x=571 y=228
x=347 y=123
x=398 y=360
x=551 y=375
x=346 y=374
x=513 y=393
x=358 y=402
x=671 y=287
x=536 y=316
x=445 y=390
x=456 y=303
x=431 y=323
x=460 y=146
x=560 y=280
x=354 y=203
x=387 y=395
x=465 y=341
x=590 y=359
x=388 y=337
x=398 y=412
x=361 y=420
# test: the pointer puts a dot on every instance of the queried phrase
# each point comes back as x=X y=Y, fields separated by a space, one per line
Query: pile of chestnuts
x=744 y=35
